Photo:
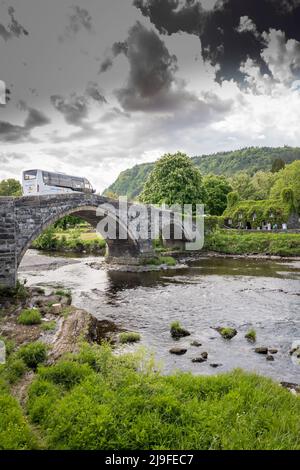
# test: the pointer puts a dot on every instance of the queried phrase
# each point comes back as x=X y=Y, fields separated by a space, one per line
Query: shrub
x=30 y=316
x=65 y=373
x=33 y=354
x=15 y=369
x=48 y=325
x=251 y=335
x=129 y=337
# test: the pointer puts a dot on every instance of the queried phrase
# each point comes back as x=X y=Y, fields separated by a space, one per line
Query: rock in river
x=198 y=360
x=178 y=351
x=226 y=333
x=261 y=350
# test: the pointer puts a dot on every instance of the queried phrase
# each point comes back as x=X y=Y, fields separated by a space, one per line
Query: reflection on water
x=241 y=293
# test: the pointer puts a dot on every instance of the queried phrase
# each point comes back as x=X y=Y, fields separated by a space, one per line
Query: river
x=209 y=292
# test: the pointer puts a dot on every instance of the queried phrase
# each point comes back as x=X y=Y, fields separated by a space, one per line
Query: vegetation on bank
x=243 y=242
x=78 y=239
x=96 y=400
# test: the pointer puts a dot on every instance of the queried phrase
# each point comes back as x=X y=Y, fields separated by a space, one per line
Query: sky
x=94 y=87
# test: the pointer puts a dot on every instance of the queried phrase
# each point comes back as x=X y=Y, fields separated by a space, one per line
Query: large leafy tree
x=10 y=187
x=174 y=180
x=217 y=189
x=262 y=183
x=242 y=184
x=289 y=177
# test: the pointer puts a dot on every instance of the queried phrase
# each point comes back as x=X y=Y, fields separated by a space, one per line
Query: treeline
x=247 y=161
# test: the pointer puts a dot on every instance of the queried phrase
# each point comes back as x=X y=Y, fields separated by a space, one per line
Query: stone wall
x=8 y=262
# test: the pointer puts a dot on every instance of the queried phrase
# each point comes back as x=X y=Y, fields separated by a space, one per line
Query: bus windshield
x=30 y=175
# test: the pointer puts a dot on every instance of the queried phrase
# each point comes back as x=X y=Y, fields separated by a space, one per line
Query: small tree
x=232 y=199
x=10 y=187
x=174 y=180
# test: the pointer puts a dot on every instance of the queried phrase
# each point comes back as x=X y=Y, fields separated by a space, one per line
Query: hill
x=130 y=182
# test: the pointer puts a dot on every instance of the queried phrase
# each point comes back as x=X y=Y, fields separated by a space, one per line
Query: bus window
x=30 y=175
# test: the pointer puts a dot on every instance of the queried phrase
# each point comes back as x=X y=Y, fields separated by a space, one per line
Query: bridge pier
x=8 y=258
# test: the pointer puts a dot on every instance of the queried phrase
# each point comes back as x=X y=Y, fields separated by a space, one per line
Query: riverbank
x=254 y=243
x=61 y=389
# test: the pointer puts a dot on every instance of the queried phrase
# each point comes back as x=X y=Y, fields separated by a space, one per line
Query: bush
x=30 y=316
x=129 y=337
x=15 y=369
x=33 y=354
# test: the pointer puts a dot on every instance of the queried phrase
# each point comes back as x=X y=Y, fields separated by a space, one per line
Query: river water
x=210 y=292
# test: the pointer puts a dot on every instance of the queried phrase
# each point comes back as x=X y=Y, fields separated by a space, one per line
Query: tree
x=262 y=183
x=242 y=184
x=277 y=165
x=289 y=177
x=216 y=188
x=174 y=180
x=10 y=187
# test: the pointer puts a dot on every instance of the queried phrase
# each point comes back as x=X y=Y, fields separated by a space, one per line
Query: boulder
x=56 y=309
x=270 y=358
x=226 y=332
x=178 y=351
x=215 y=365
x=204 y=355
x=198 y=360
x=273 y=351
x=261 y=350
x=196 y=344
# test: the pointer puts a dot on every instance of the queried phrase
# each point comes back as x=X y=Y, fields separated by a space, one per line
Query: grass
x=251 y=335
x=97 y=400
x=241 y=242
x=177 y=331
x=76 y=239
x=227 y=332
x=33 y=354
x=168 y=260
x=48 y=325
x=129 y=337
x=30 y=316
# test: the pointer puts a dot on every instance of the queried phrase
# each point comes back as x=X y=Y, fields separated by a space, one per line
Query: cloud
x=79 y=20
x=231 y=32
x=13 y=29
x=94 y=92
x=74 y=109
x=15 y=133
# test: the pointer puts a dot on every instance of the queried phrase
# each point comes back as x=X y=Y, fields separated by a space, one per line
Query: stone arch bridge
x=23 y=219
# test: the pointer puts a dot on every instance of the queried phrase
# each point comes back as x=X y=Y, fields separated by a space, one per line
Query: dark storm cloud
x=74 y=109
x=13 y=29
x=15 y=133
x=80 y=19
x=224 y=43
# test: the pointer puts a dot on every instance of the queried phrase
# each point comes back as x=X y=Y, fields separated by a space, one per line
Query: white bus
x=39 y=182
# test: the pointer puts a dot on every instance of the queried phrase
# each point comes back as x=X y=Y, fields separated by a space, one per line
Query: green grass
x=251 y=335
x=48 y=325
x=168 y=260
x=97 y=400
x=129 y=337
x=237 y=242
x=177 y=330
x=227 y=332
x=30 y=316
x=33 y=354
x=15 y=433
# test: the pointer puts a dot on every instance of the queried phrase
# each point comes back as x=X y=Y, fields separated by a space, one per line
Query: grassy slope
x=100 y=401
x=251 y=160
